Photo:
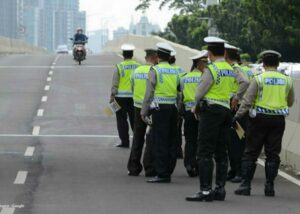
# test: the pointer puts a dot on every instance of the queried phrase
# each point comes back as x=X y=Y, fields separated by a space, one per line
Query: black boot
x=221 y=176
x=205 y=174
x=271 y=170
x=248 y=170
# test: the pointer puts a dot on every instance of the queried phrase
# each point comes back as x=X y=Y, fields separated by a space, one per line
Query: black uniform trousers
x=165 y=143
x=236 y=149
x=213 y=139
x=134 y=163
x=264 y=130
x=190 y=134
x=127 y=110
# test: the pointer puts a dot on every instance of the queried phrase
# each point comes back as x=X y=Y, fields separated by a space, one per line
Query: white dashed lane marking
x=21 y=177
x=50 y=73
x=29 y=151
x=47 y=87
x=49 y=79
x=40 y=113
x=44 y=99
x=36 y=130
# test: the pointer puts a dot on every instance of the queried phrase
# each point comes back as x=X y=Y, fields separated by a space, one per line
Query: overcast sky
x=119 y=13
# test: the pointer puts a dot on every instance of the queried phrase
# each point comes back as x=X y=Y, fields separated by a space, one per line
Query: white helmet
x=79 y=29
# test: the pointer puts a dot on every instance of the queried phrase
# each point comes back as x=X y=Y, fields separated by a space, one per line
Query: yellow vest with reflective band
x=181 y=72
x=189 y=84
x=236 y=86
x=139 y=82
x=223 y=86
x=247 y=72
x=125 y=69
x=167 y=80
x=273 y=90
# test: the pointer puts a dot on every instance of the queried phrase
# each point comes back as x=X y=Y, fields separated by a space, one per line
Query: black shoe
x=133 y=173
x=192 y=172
x=269 y=190
x=201 y=196
x=219 y=194
x=243 y=190
x=236 y=179
x=150 y=174
x=121 y=145
x=157 y=179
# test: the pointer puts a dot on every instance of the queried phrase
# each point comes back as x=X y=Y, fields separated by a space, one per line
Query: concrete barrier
x=290 y=154
x=14 y=46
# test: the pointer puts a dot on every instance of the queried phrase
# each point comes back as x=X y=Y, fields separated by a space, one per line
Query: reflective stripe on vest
x=273 y=89
x=223 y=86
x=189 y=84
x=139 y=82
x=125 y=69
x=166 y=85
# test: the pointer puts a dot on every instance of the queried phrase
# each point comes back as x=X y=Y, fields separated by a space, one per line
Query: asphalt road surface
x=57 y=153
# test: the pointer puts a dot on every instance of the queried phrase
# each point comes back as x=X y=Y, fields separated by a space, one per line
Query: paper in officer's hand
x=112 y=108
x=239 y=130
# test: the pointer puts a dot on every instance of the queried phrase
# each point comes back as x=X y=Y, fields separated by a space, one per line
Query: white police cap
x=213 y=39
x=127 y=47
x=231 y=47
x=165 y=47
x=202 y=54
x=173 y=53
x=270 y=53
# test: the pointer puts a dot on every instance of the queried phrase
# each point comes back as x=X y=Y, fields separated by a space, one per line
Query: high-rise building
x=143 y=27
x=8 y=18
x=98 y=39
x=44 y=23
x=120 y=32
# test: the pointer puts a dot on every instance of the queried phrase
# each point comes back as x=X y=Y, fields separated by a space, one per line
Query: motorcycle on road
x=79 y=51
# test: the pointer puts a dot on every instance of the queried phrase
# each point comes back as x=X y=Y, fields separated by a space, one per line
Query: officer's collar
x=220 y=59
x=271 y=69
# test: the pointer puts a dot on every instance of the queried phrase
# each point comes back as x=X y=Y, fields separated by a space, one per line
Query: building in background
x=120 y=32
x=8 y=18
x=143 y=27
x=44 y=23
x=98 y=39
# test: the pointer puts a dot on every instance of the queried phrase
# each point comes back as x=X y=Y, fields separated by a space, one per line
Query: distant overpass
x=290 y=154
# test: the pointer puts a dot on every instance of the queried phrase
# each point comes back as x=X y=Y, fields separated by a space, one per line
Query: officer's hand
x=234 y=122
x=112 y=99
x=234 y=104
x=193 y=110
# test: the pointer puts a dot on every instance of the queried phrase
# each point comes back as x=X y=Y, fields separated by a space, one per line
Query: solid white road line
x=57 y=135
x=29 y=151
x=47 y=88
x=21 y=177
x=40 y=113
x=49 y=79
x=44 y=99
x=36 y=130
x=8 y=210
x=282 y=174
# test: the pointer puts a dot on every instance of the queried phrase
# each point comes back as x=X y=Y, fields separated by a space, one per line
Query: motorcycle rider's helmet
x=79 y=30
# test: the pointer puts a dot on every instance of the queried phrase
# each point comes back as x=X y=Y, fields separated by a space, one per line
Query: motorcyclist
x=79 y=38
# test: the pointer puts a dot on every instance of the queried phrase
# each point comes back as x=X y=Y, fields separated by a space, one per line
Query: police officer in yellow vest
x=121 y=92
x=138 y=81
x=188 y=84
x=236 y=145
x=161 y=96
x=270 y=95
x=172 y=61
x=213 y=105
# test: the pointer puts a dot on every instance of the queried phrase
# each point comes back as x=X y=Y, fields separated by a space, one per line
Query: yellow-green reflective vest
x=189 y=85
x=247 y=72
x=181 y=72
x=125 y=69
x=167 y=80
x=223 y=86
x=273 y=90
x=139 y=81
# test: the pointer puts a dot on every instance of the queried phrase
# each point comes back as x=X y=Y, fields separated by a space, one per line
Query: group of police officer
x=211 y=98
